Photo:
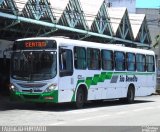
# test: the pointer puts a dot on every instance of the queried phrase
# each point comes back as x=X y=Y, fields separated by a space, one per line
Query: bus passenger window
x=79 y=58
x=119 y=61
x=150 y=67
x=107 y=60
x=93 y=59
x=140 y=62
x=130 y=61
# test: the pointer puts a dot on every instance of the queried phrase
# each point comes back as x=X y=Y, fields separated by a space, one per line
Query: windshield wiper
x=20 y=77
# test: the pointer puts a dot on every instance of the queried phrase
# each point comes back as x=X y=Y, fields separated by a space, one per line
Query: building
x=152 y=11
x=129 y=4
x=90 y=20
x=153 y=20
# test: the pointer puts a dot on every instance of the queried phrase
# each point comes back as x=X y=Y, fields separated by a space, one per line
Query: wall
x=4 y=47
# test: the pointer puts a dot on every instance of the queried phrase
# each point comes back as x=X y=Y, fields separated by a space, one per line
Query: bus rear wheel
x=130 y=96
x=80 y=98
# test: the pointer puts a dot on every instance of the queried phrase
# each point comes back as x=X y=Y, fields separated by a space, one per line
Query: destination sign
x=34 y=44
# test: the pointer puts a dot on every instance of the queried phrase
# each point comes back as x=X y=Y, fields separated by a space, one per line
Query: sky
x=147 y=3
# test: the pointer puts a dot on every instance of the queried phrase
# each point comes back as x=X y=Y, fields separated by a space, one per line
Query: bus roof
x=80 y=43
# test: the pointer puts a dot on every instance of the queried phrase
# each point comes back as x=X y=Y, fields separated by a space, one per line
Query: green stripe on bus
x=97 y=78
x=88 y=81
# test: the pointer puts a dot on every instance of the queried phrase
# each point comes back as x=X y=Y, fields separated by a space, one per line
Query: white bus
x=63 y=70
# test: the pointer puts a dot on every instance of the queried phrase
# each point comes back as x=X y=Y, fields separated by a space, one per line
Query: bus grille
x=29 y=85
x=29 y=91
x=31 y=96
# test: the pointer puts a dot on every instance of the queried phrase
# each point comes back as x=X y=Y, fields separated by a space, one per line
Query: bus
x=58 y=70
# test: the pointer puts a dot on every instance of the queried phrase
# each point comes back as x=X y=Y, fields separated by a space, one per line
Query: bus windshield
x=33 y=65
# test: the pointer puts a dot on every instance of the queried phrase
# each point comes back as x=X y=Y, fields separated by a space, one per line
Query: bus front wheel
x=80 y=99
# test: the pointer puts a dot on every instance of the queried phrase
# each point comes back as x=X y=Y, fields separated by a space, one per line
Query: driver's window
x=65 y=62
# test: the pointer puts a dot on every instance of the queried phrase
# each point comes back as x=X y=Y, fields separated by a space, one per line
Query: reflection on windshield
x=34 y=65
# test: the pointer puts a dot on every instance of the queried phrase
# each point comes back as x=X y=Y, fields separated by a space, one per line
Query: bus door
x=66 y=80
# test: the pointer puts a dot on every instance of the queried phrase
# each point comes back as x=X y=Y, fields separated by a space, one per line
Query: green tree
x=157 y=41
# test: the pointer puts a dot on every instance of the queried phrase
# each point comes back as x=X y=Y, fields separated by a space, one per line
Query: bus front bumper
x=51 y=97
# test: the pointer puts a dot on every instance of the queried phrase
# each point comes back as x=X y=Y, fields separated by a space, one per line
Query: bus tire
x=80 y=98
x=130 y=95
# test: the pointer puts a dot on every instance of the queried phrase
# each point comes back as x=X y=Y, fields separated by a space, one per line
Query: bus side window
x=79 y=57
x=65 y=62
x=119 y=61
x=93 y=59
x=140 y=62
x=130 y=57
x=107 y=59
x=150 y=66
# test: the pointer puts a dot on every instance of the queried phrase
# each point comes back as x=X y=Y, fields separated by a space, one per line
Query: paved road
x=144 y=112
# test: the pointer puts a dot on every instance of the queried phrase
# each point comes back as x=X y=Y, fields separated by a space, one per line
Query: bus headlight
x=51 y=88
x=13 y=88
